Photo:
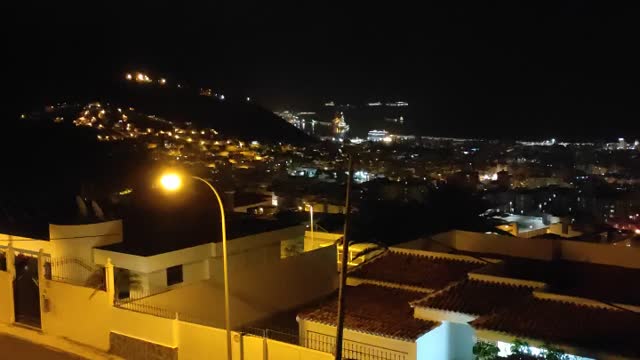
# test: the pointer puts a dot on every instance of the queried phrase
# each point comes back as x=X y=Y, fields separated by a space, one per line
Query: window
x=174 y=275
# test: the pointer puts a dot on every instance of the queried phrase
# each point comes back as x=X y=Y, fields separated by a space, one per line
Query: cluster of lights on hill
x=172 y=141
x=144 y=78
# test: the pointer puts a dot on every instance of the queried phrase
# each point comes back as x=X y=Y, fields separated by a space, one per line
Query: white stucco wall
x=606 y=254
x=319 y=239
x=77 y=313
x=541 y=249
x=6 y=298
x=309 y=331
x=281 y=284
x=150 y=264
x=78 y=241
x=191 y=273
x=256 y=291
x=23 y=243
x=198 y=261
x=447 y=341
x=265 y=239
x=75 y=241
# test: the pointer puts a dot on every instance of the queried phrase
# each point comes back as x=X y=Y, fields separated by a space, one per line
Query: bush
x=551 y=353
x=485 y=351
x=520 y=347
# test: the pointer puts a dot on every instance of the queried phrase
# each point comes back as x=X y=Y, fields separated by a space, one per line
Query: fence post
x=42 y=291
x=176 y=330
x=10 y=258
x=265 y=345
x=109 y=281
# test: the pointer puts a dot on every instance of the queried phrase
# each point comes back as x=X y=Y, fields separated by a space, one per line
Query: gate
x=26 y=291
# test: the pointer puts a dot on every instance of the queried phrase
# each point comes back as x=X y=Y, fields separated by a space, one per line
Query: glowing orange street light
x=173 y=182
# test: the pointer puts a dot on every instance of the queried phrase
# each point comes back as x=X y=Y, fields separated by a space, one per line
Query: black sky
x=497 y=69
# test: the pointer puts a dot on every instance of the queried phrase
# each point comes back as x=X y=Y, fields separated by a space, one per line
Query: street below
x=24 y=350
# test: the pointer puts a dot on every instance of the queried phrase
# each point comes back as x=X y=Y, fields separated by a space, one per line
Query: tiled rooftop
x=374 y=309
x=587 y=327
x=415 y=270
x=476 y=297
x=592 y=281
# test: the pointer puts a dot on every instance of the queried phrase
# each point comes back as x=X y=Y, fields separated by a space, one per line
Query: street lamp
x=173 y=182
x=311 y=216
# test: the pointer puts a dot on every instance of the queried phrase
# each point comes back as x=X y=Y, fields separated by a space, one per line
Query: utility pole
x=343 y=267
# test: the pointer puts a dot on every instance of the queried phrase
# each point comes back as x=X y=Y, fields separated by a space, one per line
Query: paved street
x=24 y=350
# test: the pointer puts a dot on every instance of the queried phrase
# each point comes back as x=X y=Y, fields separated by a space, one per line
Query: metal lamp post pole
x=227 y=322
x=311 y=214
x=345 y=260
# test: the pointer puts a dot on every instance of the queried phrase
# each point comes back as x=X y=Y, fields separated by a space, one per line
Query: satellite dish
x=82 y=207
x=97 y=211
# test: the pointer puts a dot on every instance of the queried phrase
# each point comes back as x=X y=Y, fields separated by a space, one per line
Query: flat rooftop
x=173 y=234
x=525 y=223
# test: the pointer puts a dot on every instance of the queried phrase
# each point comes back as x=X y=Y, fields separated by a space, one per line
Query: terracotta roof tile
x=415 y=270
x=374 y=309
x=476 y=297
x=592 y=281
x=587 y=327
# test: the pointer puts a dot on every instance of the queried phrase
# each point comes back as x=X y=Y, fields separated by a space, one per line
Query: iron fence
x=75 y=271
x=351 y=350
x=142 y=307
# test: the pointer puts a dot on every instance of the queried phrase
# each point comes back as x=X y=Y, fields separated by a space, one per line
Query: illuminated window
x=174 y=275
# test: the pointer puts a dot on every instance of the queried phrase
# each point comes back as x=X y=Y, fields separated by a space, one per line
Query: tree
x=520 y=348
x=124 y=281
x=552 y=353
x=485 y=351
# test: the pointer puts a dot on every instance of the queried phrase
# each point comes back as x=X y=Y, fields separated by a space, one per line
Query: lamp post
x=173 y=182
x=311 y=216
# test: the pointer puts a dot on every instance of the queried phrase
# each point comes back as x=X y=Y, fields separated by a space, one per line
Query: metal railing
x=351 y=350
x=142 y=307
x=73 y=270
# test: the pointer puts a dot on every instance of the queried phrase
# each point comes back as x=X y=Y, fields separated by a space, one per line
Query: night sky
x=495 y=69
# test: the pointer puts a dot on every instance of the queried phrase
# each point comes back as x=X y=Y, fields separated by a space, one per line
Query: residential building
x=433 y=298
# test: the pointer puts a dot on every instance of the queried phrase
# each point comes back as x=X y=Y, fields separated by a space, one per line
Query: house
x=162 y=260
x=434 y=298
x=380 y=318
